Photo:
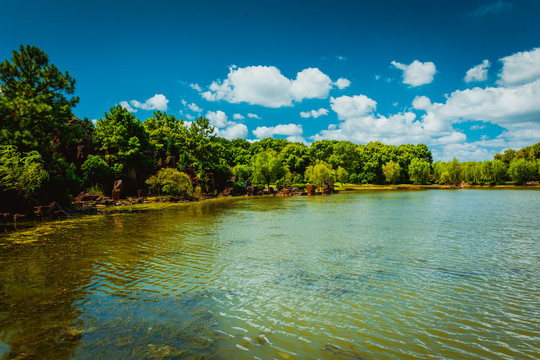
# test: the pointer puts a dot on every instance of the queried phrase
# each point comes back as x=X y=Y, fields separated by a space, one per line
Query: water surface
x=379 y=275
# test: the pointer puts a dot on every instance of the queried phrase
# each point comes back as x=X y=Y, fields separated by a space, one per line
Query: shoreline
x=156 y=203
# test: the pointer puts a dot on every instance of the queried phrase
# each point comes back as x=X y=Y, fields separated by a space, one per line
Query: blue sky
x=462 y=77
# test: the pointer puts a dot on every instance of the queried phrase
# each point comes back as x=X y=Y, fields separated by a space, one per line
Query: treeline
x=46 y=154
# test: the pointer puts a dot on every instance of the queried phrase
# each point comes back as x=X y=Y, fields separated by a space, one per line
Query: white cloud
x=520 y=68
x=156 y=102
x=184 y=102
x=477 y=127
x=253 y=116
x=310 y=83
x=342 y=83
x=352 y=106
x=195 y=108
x=195 y=87
x=217 y=118
x=234 y=131
x=417 y=73
x=421 y=103
x=266 y=86
x=238 y=117
x=478 y=73
x=288 y=130
x=314 y=113
x=128 y=107
x=341 y=58
x=190 y=117
x=297 y=138
x=454 y=138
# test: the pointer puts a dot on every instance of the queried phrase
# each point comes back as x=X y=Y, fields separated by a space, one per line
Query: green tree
x=170 y=182
x=96 y=172
x=319 y=173
x=419 y=170
x=23 y=174
x=342 y=175
x=498 y=170
x=242 y=172
x=123 y=142
x=454 y=172
x=521 y=170
x=166 y=134
x=266 y=167
x=392 y=171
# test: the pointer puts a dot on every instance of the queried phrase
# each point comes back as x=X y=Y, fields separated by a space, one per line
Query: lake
x=372 y=275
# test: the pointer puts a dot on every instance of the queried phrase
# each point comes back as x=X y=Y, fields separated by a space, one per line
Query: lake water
x=375 y=275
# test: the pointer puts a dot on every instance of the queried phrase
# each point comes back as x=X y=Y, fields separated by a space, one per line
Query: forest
x=47 y=154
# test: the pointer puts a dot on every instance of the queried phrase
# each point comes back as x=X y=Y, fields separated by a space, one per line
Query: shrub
x=170 y=182
x=364 y=182
x=300 y=186
x=96 y=171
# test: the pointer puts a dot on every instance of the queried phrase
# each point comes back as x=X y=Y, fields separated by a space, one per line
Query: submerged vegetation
x=47 y=154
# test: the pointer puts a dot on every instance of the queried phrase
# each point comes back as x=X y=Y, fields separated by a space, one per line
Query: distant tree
x=419 y=170
x=498 y=170
x=123 y=142
x=242 y=172
x=166 y=134
x=342 y=175
x=319 y=173
x=454 y=172
x=506 y=157
x=392 y=171
x=171 y=182
x=521 y=170
x=266 y=167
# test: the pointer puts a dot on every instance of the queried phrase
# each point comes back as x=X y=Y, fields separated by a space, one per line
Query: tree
x=166 y=134
x=319 y=173
x=22 y=174
x=498 y=170
x=392 y=171
x=521 y=170
x=36 y=102
x=266 y=167
x=170 y=182
x=123 y=142
x=96 y=172
x=454 y=171
x=342 y=175
x=419 y=170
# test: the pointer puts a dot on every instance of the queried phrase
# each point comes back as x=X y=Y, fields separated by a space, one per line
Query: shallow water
x=379 y=275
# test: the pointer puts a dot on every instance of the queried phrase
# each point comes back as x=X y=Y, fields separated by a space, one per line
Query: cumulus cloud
x=193 y=107
x=520 y=68
x=314 y=113
x=342 y=83
x=352 y=106
x=266 y=86
x=478 y=73
x=253 y=116
x=417 y=73
x=287 y=130
x=234 y=131
x=128 y=107
x=217 y=118
x=238 y=117
x=421 y=103
x=156 y=102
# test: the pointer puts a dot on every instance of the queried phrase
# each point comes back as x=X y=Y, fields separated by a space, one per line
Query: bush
x=96 y=171
x=280 y=184
x=300 y=186
x=364 y=182
x=170 y=182
x=417 y=183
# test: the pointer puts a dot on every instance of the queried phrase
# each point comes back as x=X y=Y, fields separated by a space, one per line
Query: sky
x=462 y=77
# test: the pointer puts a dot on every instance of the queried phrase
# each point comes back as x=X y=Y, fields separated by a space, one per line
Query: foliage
x=391 y=171
x=266 y=167
x=521 y=170
x=319 y=173
x=419 y=170
x=342 y=175
x=242 y=172
x=170 y=182
x=23 y=174
x=96 y=171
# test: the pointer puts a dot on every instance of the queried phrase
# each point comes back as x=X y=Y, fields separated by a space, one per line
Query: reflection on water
x=434 y=274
